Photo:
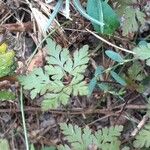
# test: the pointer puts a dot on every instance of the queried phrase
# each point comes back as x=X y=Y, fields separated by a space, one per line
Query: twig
x=107 y=42
x=76 y=111
x=140 y=125
x=17 y=27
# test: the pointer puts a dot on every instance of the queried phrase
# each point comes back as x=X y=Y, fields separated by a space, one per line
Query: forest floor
x=21 y=29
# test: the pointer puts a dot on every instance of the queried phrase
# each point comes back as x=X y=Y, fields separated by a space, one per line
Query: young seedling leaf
x=100 y=10
x=93 y=82
x=114 y=56
x=105 y=139
x=117 y=78
x=92 y=85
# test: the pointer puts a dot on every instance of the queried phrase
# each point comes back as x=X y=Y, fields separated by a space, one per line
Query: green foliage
x=117 y=78
x=106 y=87
x=93 y=81
x=6 y=95
x=135 y=71
x=7 y=64
x=142 y=52
x=4 y=144
x=122 y=5
x=114 y=56
x=61 y=77
x=100 y=10
x=130 y=23
x=135 y=76
x=142 y=139
x=49 y=148
x=81 y=10
x=35 y=82
x=75 y=136
x=32 y=147
x=105 y=139
x=44 y=148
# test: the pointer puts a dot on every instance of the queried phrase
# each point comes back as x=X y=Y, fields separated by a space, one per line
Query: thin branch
x=17 y=27
x=107 y=42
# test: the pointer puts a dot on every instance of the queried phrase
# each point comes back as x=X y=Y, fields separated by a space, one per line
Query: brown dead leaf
x=37 y=61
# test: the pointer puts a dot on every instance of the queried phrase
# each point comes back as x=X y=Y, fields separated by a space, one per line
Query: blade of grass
x=23 y=119
x=67 y=9
x=53 y=15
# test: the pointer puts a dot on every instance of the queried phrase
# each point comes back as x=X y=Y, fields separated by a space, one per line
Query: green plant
x=135 y=76
x=6 y=95
x=7 y=63
x=133 y=17
x=130 y=23
x=4 y=144
x=60 y=78
x=101 y=10
x=104 y=18
x=142 y=139
x=142 y=52
x=78 y=7
x=99 y=72
x=104 y=139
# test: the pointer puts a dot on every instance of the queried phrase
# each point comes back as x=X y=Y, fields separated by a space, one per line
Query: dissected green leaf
x=100 y=10
x=81 y=10
x=36 y=81
x=142 y=139
x=117 y=78
x=77 y=138
x=135 y=71
x=53 y=100
x=114 y=56
x=105 y=139
x=122 y=5
x=6 y=95
x=142 y=52
x=62 y=76
x=80 y=88
x=130 y=23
